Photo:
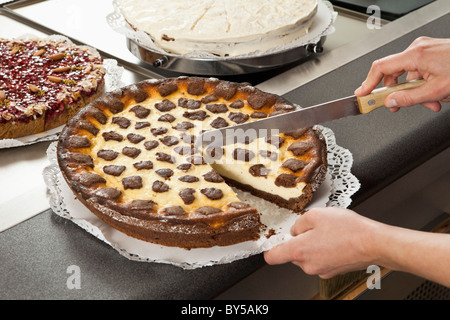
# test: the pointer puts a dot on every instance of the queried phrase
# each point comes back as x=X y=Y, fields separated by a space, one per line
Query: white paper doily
x=112 y=82
x=322 y=26
x=336 y=190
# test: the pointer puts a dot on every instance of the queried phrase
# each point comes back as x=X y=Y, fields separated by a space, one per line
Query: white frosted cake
x=221 y=27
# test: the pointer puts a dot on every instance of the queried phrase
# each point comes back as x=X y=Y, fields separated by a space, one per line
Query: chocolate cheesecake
x=131 y=158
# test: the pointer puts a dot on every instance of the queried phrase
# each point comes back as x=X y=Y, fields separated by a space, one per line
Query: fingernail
x=391 y=103
x=358 y=91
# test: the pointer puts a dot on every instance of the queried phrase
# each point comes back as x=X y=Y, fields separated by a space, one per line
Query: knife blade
x=303 y=118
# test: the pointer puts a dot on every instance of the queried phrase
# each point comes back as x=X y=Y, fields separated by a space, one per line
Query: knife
x=303 y=118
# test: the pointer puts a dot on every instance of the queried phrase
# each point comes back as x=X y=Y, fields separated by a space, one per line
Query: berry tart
x=130 y=157
x=44 y=82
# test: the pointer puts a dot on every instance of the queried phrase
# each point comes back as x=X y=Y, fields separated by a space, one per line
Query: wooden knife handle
x=376 y=98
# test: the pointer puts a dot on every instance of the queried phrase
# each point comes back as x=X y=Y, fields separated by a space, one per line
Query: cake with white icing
x=221 y=27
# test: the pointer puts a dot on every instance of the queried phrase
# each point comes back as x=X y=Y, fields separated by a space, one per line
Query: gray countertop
x=36 y=254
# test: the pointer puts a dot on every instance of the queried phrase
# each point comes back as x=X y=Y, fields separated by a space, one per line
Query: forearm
x=421 y=253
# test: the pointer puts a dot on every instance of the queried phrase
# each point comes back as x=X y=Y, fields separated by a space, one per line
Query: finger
x=280 y=254
x=412 y=75
x=394 y=109
x=393 y=64
x=301 y=225
x=433 y=105
x=391 y=79
x=446 y=99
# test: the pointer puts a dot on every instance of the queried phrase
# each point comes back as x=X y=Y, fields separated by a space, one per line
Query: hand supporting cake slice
x=130 y=158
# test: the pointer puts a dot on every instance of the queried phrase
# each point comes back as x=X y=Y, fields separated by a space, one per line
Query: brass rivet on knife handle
x=376 y=99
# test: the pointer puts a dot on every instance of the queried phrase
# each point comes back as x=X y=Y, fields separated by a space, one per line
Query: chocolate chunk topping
x=286 y=180
x=188 y=178
x=174 y=211
x=196 y=87
x=80 y=158
x=108 y=155
x=219 y=123
x=164 y=157
x=189 y=104
x=197 y=160
x=158 y=131
x=196 y=115
x=297 y=133
x=114 y=170
x=238 y=117
x=213 y=176
x=184 y=126
x=166 y=88
x=184 y=166
x=140 y=111
x=133 y=182
x=275 y=141
x=169 y=140
x=111 y=135
x=300 y=147
x=108 y=193
x=165 y=105
x=135 y=138
x=207 y=210
x=142 y=125
x=237 y=104
x=258 y=115
x=89 y=179
x=258 y=170
x=167 y=117
x=138 y=93
x=114 y=104
x=152 y=144
x=239 y=205
x=185 y=150
x=159 y=186
x=259 y=100
x=269 y=154
x=225 y=90
x=209 y=98
x=131 y=152
x=121 y=122
x=79 y=142
x=89 y=127
x=212 y=193
x=187 y=195
x=145 y=164
x=97 y=115
x=217 y=108
x=165 y=172
x=243 y=154
x=294 y=164
x=143 y=206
